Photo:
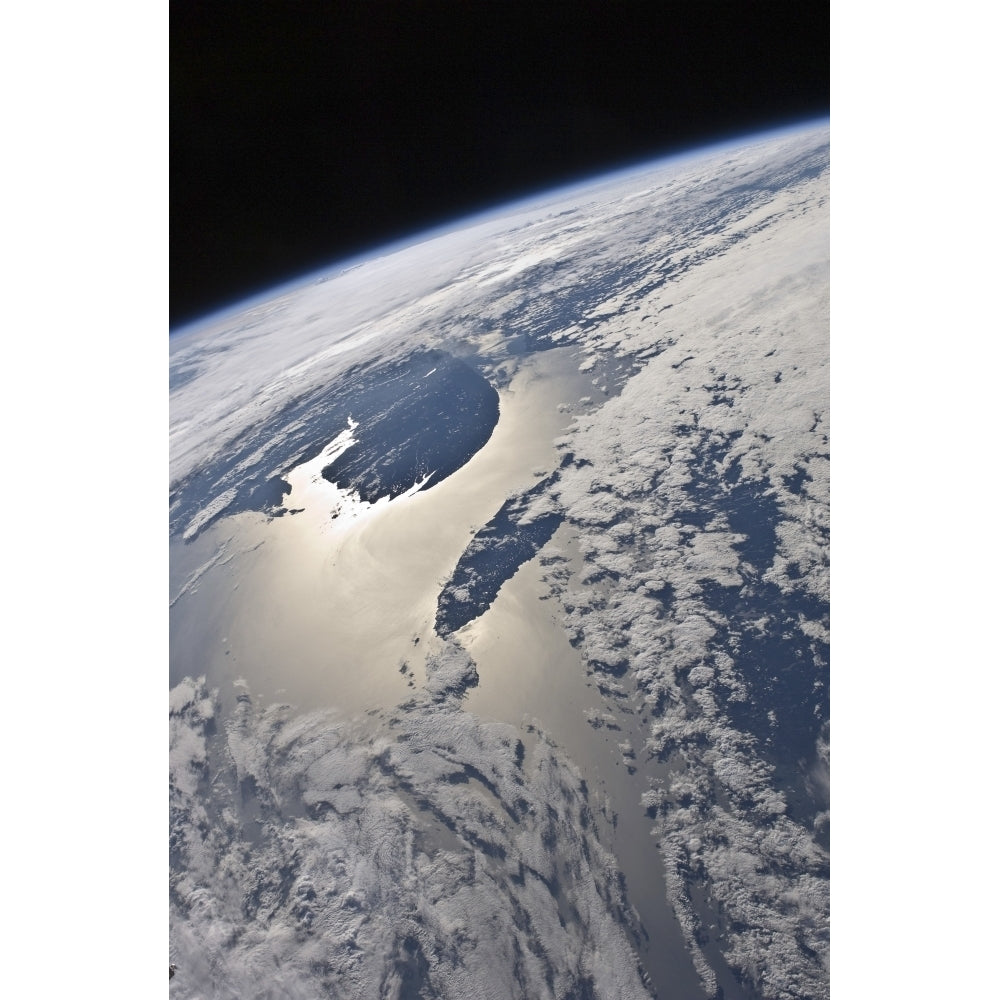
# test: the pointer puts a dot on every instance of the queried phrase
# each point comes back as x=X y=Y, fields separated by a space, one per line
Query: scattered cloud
x=430 y=849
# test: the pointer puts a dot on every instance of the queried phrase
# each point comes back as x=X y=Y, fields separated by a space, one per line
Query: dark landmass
x=786 y=671
x=493 y=557
x=427 y=414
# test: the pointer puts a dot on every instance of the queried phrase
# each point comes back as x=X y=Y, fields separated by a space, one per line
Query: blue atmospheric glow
x=467 y=220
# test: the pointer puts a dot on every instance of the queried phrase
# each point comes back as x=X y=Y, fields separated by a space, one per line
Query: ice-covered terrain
x=500 y=605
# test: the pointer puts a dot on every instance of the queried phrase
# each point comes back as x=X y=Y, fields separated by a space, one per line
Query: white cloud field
x=421 y=849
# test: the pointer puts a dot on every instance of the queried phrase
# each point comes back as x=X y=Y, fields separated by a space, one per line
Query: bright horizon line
x=478 y=216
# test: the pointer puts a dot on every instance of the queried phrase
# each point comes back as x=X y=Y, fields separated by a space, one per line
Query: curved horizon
x=495 y=209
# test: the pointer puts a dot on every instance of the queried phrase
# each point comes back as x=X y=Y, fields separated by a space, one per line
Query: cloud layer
x=437 y=854
x=683 y=534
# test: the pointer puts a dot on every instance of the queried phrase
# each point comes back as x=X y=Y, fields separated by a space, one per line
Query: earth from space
x=499 y=604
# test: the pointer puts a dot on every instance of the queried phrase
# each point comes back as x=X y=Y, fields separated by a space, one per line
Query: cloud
x=450 y=672
x=421 y=854
x=311 y=855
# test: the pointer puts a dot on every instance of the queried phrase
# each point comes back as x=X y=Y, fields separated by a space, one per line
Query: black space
x=303 y=132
